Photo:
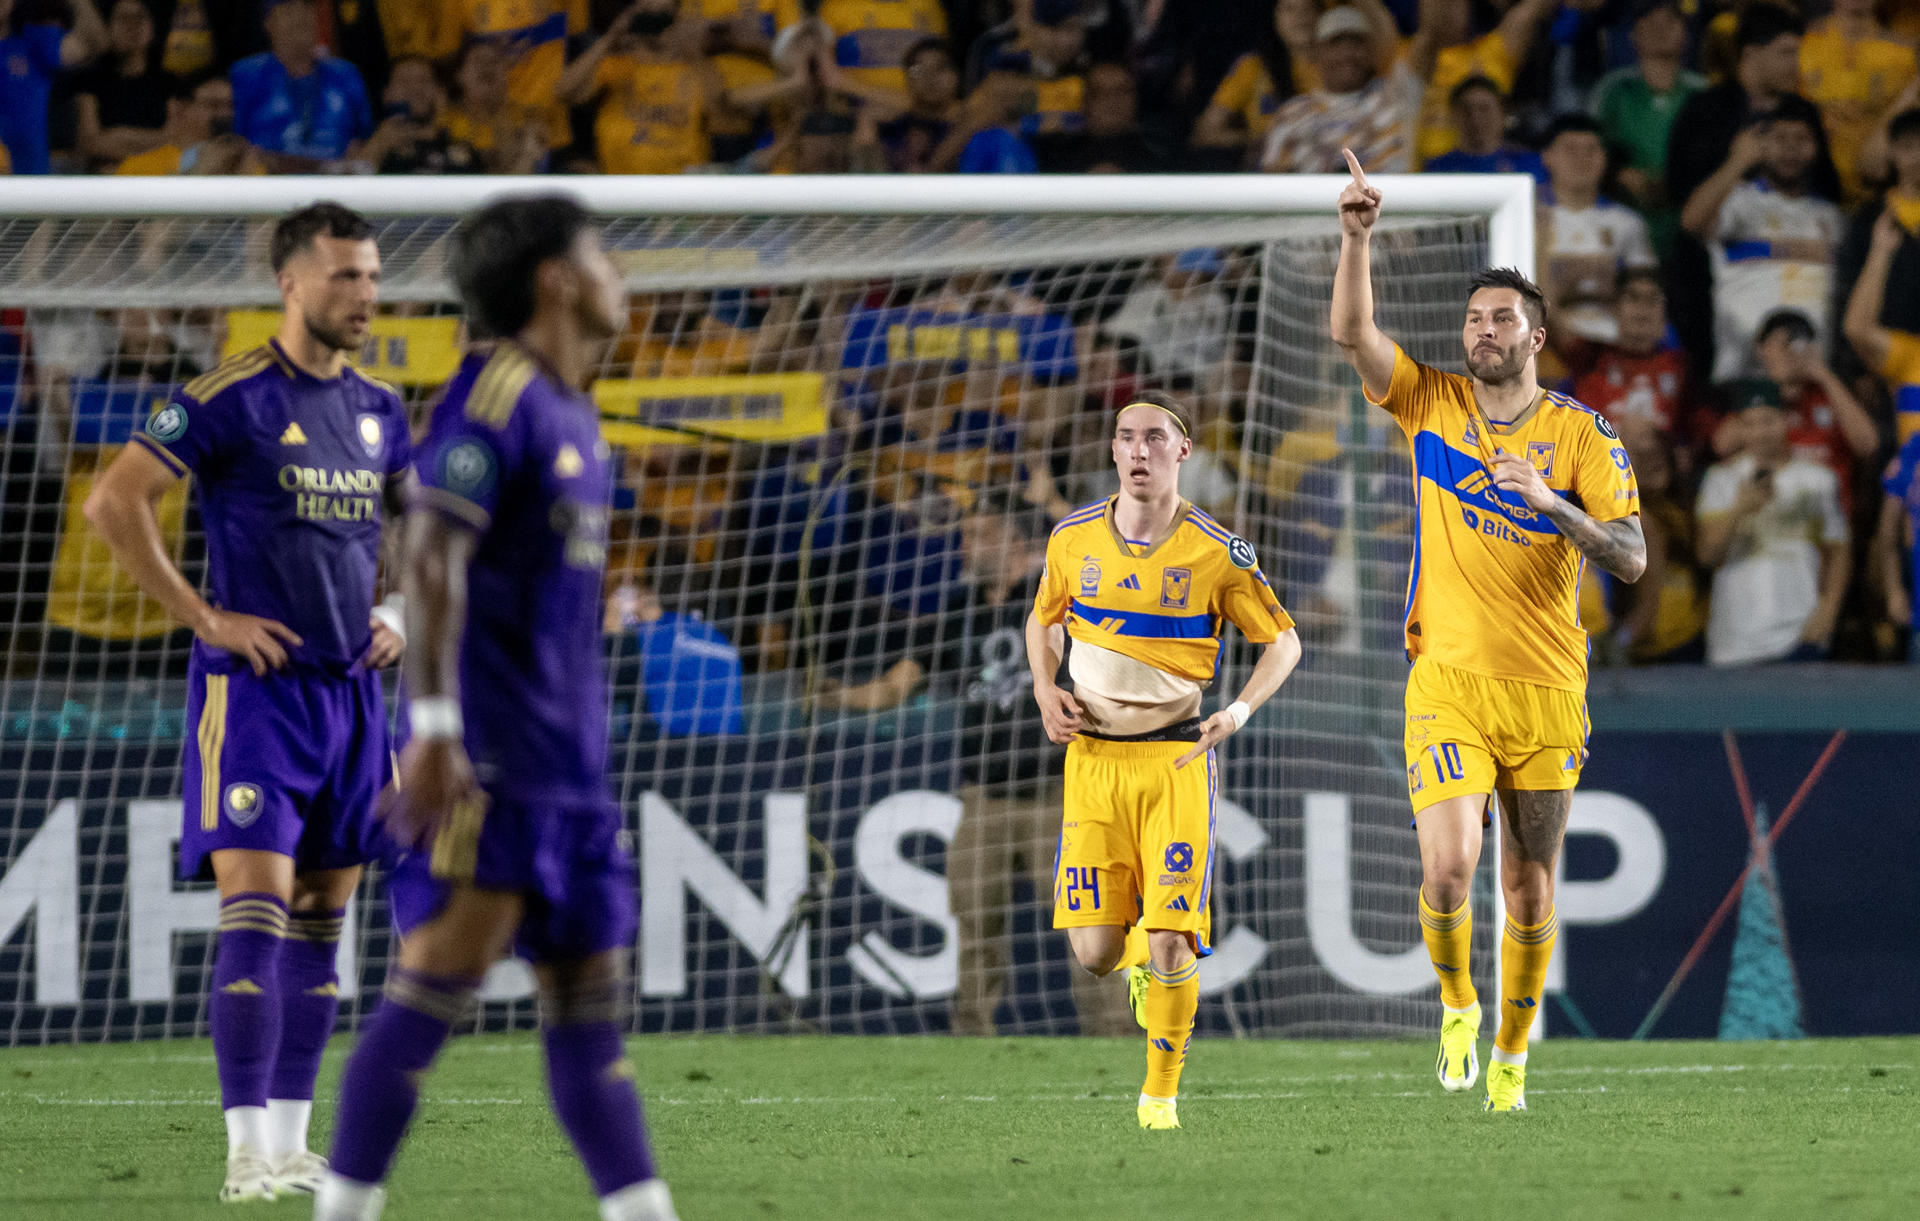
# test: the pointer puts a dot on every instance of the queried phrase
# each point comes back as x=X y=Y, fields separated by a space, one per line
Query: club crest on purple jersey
x=242 y=804
x=372 y=438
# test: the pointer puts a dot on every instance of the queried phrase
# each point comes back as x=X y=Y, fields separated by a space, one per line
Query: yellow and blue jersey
x=534 y=35
x=1902 y=371
x=1494 y=585
x=1162 y=603
x=653 y=116
x=871 y=37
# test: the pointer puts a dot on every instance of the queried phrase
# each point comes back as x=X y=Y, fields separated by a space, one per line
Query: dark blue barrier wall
x=1847 y=867
x=1823 y=944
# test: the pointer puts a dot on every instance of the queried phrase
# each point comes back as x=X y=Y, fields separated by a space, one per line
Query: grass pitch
x=853 y=1128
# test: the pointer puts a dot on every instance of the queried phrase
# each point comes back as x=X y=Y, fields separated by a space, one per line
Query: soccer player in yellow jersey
x=1517 y=489
x=1143 y=582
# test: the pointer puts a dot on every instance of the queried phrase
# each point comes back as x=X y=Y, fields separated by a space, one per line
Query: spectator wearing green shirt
x=1636 y=107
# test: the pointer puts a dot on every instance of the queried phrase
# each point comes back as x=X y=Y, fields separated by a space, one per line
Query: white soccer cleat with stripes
x=299 y=1173
x=249 y=1177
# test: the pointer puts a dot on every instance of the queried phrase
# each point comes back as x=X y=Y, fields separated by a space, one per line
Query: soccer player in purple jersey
x=298 y=458
x=503 y=805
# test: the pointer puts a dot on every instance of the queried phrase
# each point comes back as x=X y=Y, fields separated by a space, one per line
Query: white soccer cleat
x=299 y=1172
x=249 y=1177
x=644 y=1201
x=342 y=1199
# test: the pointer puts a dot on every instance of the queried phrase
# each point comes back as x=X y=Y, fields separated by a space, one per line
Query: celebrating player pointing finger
x=1518 y=488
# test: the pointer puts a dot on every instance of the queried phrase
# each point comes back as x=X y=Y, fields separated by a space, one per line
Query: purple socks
x=309 y=1000
x=591 y=1081
x=378 y=1091
x=244 y=1010
x=588 y=1075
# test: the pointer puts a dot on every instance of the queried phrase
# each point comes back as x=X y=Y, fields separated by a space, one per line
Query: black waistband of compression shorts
x=1180 y=731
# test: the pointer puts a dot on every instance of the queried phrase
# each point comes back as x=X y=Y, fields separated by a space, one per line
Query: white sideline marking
x=211 y=1100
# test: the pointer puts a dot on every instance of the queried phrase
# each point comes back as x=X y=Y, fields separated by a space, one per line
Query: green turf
x=847 y=1128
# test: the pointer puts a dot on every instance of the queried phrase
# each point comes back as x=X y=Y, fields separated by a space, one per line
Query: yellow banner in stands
x=404 y=351
x=685 y=260
x=746 y=407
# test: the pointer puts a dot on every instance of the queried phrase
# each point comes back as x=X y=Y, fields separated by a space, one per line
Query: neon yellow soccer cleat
x=1506 y=1087
x=1159 y=1116
x=1137 y=978
x=1459 y=1063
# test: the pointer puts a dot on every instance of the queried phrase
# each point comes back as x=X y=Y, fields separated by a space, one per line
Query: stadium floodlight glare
x=829 y=381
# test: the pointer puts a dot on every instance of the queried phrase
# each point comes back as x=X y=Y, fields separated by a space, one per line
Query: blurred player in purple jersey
x=298 y=459
x=512 y=838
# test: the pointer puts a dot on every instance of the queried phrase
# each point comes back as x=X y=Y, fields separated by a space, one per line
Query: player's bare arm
x=1366 y=346
x=1276 y=662
x=122 y=507
x=1059 y=711
x=389 y=635
x=435 y=773
x=1618 y=547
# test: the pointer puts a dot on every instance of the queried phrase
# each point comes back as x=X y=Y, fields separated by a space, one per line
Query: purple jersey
x=516 y=454
x=292 y=472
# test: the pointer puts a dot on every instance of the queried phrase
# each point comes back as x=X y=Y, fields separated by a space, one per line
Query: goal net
x=846 y=413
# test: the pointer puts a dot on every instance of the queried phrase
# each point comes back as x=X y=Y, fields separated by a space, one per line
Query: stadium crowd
x=1729 y=239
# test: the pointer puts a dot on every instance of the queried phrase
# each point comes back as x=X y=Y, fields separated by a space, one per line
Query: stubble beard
x=1511 y=364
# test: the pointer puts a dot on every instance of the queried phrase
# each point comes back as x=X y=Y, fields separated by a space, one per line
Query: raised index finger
x=1353 y=166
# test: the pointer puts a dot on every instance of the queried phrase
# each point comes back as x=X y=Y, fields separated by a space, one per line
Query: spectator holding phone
x=1826 y=423
x=1772 y=231
x=1772 y=531
x=1886 y=347
x=411 y=138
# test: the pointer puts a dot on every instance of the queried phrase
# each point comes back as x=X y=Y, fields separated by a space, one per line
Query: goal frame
x=1507 y=201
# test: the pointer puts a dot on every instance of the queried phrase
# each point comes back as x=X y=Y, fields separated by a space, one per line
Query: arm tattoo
x=1617 y=546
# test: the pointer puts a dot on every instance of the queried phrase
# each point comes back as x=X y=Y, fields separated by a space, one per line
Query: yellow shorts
x=1136 y=838
x=1469 y=734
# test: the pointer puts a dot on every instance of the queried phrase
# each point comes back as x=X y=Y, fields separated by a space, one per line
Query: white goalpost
x=844 y=407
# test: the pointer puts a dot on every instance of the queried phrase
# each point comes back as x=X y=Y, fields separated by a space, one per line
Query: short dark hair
x=1165 y=402
x=1573 y=122
x=296 y=230
x=1904 y=124
x=1794 y=322
x=1476 y=81
x=1762 y=23
x=1007 y=504
x=181 y=86
x=1643 y=273
x=497 y=250
x=929 y=46
x=1794 y=109
x=1533 y=302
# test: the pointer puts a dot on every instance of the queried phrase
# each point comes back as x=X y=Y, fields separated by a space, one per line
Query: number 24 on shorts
x=1083 y=884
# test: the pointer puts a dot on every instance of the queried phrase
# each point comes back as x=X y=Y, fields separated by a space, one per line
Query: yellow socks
x=1524 y=951
x=1173 y=998
x=1135 y=955
x=1449 y=938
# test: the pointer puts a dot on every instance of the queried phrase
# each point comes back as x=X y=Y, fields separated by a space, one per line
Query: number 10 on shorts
x=1083 y=880
x=1446 y=762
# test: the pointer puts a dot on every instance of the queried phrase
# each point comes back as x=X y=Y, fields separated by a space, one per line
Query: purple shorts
x=290 y=763
x=564 y=856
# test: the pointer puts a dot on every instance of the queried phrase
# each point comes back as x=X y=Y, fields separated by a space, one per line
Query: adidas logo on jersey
x=294 y=435
x=1474 y=482
x=1179 y=904
x=1132 y=582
